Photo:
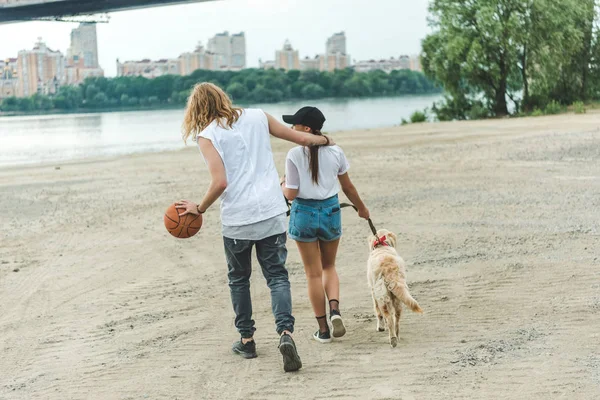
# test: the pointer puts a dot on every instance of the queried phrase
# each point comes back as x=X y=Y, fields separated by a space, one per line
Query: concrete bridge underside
x=26 y=10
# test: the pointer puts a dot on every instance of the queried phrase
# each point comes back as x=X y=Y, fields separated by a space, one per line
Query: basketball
x=181 y=227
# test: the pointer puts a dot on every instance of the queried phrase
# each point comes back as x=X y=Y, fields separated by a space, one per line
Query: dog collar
x=380 y=241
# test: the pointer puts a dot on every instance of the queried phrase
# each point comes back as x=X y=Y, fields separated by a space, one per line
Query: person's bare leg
x=311 y=258
x=331 y=284
x=331 y=281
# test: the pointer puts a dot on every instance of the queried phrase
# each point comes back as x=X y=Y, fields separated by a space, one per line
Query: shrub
x=418 y=117
x=537 y=113
x=579 y=107
x=478 y=111
x=404 y=122
x=553 y=108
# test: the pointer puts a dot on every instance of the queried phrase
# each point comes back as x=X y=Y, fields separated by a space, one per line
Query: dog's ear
x=371 y=241
x=392 y=237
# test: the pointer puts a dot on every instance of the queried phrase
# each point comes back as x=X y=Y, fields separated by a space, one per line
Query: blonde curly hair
x=208 y=103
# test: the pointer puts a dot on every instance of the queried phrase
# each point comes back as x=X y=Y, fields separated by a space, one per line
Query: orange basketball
x=182 y=227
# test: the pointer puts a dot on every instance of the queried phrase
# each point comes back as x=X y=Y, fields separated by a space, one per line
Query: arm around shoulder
x=281 y=131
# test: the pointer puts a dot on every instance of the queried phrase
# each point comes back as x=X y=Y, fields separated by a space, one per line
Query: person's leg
x=331 y=281
x=238 y=254
x=272 y=255
x=311 y=258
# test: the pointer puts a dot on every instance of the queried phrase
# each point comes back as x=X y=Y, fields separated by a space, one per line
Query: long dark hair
x=313 y=159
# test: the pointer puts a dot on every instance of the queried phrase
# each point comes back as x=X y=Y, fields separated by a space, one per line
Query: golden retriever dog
x=386 y=273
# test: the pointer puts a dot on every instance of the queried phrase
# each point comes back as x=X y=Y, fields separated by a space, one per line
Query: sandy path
x=498 y=222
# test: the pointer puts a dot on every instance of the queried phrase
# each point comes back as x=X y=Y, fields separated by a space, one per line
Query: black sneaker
x=291 y=359
x=323 y=337
x=247 y=350
x=338 y=327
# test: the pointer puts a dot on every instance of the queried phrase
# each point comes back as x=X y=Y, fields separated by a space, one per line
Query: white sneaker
x=337 y=323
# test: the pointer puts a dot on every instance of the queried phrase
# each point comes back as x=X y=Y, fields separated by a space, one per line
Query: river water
x=65 y=137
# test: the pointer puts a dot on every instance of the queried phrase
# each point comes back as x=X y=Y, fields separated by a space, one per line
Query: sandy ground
x=498 y=222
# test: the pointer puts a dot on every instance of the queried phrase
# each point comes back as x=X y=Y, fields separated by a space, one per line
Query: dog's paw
x=394 y=341
x=380 y=328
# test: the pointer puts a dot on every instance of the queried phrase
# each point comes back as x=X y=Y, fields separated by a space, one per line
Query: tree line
x=246 y=86
x=499 y=57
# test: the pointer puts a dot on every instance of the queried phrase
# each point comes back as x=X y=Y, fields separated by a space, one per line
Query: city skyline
x=334 y=57
x=373 y=34
x=223 y=52
x=43 y=70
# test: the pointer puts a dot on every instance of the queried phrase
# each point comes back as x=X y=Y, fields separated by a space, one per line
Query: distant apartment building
x=223 y=52
x=82 y=55
x=331 y=62
x=229 y=50
x=308 y=63
x=403 y=62
x=197 y=59
x=40 y=70
x=220 y=45
x=148 y=68
x=287 y=58
x=43 y=70
x=266 y=64
x=336 y=44
x=84 y=45
x=238 y=51
x=8 y=78
x=415 y=64
x=335 y=57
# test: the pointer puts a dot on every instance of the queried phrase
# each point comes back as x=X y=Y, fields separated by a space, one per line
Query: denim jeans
x=272 y=254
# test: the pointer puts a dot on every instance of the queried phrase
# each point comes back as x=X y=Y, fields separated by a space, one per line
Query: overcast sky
x=374 y=29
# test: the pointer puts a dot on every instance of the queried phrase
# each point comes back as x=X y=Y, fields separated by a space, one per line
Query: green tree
x=357 y=86
x=313 y=91
x=26 y=104
x=237 y=91
x=162 y=87
x=90 y=92
x=471 y=50
x=41 y=102
x=551 y=37
x=251 y=82
x=100 y=100
x=249 y=85
x=293 y=75
x=10 y=104
x=496 y=49
x=263 y=95
x=68 y=98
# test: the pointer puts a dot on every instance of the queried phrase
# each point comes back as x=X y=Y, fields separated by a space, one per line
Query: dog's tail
x=400 y=290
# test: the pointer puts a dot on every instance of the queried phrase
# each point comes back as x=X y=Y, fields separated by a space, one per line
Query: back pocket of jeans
x=335 y=220
x=302 y=220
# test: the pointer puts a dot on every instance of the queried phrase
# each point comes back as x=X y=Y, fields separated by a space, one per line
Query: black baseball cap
x=308 y=116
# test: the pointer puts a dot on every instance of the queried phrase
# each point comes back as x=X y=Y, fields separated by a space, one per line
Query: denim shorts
x=312 y=220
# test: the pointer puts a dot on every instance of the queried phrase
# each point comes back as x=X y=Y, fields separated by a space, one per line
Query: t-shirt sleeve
x=209 y=133
x=292 y=177
x=344 y=164
x=259 y=115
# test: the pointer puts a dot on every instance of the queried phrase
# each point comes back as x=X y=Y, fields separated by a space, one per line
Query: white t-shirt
x=332 y=163
x=253 y=193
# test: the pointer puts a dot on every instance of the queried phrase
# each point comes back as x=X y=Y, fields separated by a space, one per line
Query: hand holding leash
x=371 y=225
